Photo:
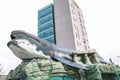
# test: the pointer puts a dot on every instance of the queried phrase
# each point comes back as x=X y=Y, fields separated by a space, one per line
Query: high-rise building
x=46 y=26
x=62 y=23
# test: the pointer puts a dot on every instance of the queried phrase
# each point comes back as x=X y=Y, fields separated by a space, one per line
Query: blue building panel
x=44 y=13
x=50 y=39
x=45 y=19
x=46 y=33
x=46 y=24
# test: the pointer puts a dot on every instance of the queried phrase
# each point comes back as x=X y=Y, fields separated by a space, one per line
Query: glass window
x=47 y=37
x=40 y=35
x=46 y=33
x=45 y=26
x=45 y=19
x=45 y=12
x=50 y=39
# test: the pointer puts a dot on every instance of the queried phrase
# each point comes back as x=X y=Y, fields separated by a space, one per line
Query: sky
x=102 y=21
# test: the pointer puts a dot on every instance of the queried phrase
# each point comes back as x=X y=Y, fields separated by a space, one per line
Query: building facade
x=68 y=25
x=46 y=24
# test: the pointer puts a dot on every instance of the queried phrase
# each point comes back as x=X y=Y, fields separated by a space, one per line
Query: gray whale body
x=56 y=53
x=42 y=48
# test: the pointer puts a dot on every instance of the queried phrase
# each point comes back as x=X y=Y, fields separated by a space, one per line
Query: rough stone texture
x=46 y=69
x=39 y=69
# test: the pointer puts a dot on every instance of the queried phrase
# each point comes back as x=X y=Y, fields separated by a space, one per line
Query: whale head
x=24 y=49
x=41 y=45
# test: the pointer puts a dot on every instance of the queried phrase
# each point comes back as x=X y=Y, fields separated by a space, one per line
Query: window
x=45 y=19
x=78 y=33
x=40 y=35
x=84 y=41
x=73 y=18
x=81 y=26
x=46 y=33
x=45 y=26
x=77 y=43
x=75 y=26
x=45 y=12
x=85 y=47
x=50 y=39
x=78 y=13
x=83 y=33
x=80 y=20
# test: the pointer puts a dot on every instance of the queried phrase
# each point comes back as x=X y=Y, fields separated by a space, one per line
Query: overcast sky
x=102 y=20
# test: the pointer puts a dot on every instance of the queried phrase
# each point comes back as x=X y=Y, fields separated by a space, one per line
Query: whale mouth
x=11 y=43
x=16 y=49
x=23 y=49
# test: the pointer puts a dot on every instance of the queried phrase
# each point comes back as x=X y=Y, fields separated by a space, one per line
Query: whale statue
x=27 y=46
